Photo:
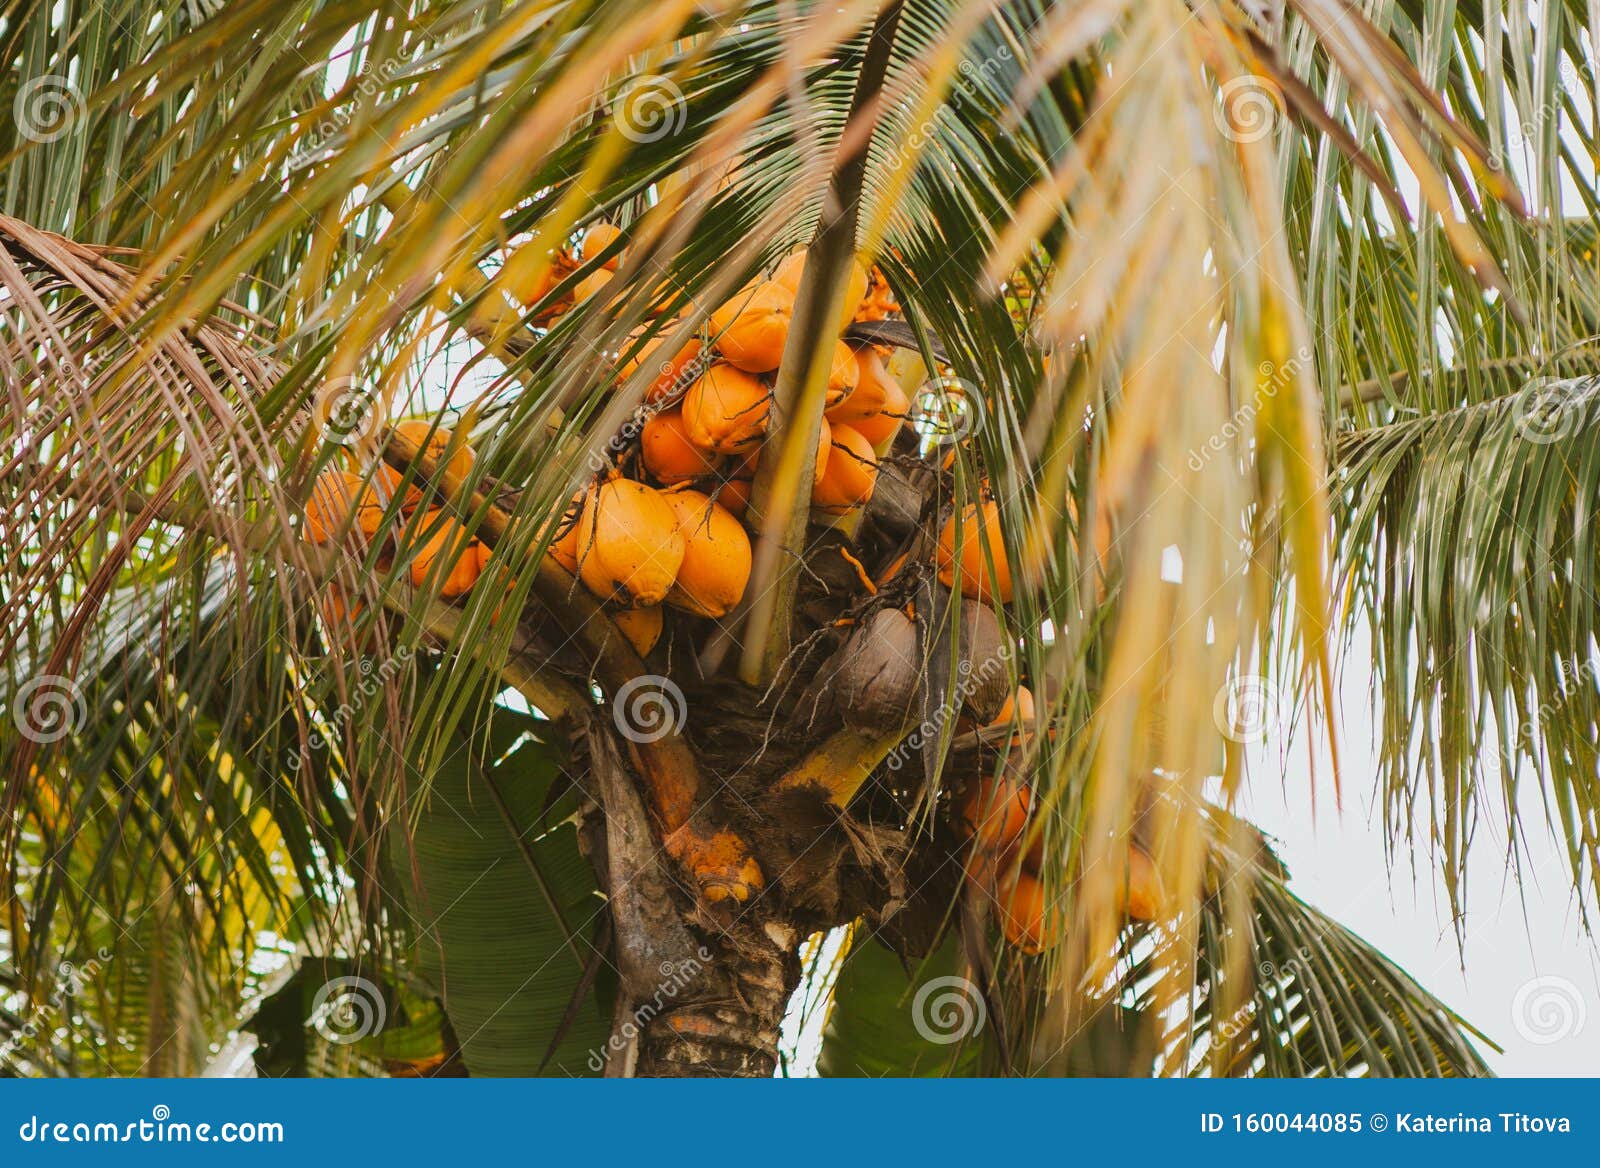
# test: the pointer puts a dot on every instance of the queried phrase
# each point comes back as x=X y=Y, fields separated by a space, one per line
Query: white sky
x=1519 y=927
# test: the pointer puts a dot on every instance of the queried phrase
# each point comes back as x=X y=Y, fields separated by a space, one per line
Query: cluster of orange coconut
x=343 y=503
x=667 y=525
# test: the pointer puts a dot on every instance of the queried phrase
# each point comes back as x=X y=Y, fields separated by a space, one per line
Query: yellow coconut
x=630 y=548
x=716 y=558
x=981 y=545
x=726 y=410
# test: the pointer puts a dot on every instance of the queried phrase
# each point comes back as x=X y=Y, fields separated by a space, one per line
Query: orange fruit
x=669 y=367
x=747 y=466
x=879 y=301
x=850 y=473
x=630 y=548
x=716 y=557
x=792 y=269
x=1031 y=923
x=871 y=394
x=668 y=453
x=447 y=540
x=1142 y=895
x=735 y=496
x=995 y=812
x=750 y=330
x=1018 y=708
x=595 y=240
x=980 y=530
x=726 y=410
x=435 y=441
x=641 y=626
x=824 y=450
x=591 y=285
x=880 y=427
x=844 y=374
x=334 y=496
x=563 y=547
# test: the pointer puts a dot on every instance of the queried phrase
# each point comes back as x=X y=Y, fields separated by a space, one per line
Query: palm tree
x=1290 y=306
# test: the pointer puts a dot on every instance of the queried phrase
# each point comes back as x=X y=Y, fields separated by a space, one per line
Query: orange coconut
x=1031 y=923
x=1018 y=708
x=641 y=626
x=750 y=329
x=996 y=812
x=591 y=285
x=735 y=496
x=595 y=240
x=716 y=558
x=850 y=473
x=879 y=301
x=334 y=496
x=844 y=374
x=630 y=548
x=564 y=545
x=669 y=366
x=448 y=540
x=882 y=426
x=792 y=269
x=726 y=410
x=1142 y=896
x=824 y=449
x=871 y=394
x=981 y=542
x=669 y=454
x=435 y=441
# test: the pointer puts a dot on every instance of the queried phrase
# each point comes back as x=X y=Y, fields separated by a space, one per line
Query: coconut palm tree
x=1233 y=329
